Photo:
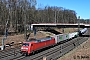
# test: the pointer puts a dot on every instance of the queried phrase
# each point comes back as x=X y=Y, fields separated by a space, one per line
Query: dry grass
x=66 y=30
x=15 y=38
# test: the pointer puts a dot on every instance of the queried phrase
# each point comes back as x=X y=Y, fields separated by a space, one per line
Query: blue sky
x=82 y=7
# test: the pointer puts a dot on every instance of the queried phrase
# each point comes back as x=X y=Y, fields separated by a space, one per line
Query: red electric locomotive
x=36 y=44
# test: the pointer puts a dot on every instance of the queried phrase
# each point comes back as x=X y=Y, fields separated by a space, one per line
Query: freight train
x=33 y=45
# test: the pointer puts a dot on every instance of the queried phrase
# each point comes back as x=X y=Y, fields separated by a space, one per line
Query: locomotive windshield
x=25 y=44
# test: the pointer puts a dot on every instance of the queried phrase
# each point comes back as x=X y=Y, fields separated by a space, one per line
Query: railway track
x=41 y=54
x=52 y=50
x=55 y=52
x=9 y=52
x=60 y=49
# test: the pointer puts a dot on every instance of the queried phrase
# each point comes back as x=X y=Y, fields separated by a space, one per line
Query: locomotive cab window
x=25 y=44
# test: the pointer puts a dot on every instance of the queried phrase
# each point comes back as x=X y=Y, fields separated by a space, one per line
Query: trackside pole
x=44 y=57
x=5 y=36
x=34 y=32
x=2 y=48
x=78 y=23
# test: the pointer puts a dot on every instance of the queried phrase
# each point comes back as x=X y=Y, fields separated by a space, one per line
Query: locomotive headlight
x=22 y=48
x=26 y=48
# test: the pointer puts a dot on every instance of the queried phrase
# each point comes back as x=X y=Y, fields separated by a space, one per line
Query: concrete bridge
x=60 y=25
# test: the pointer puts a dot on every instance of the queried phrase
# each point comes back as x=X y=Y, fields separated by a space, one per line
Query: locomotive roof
x=39 y=40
